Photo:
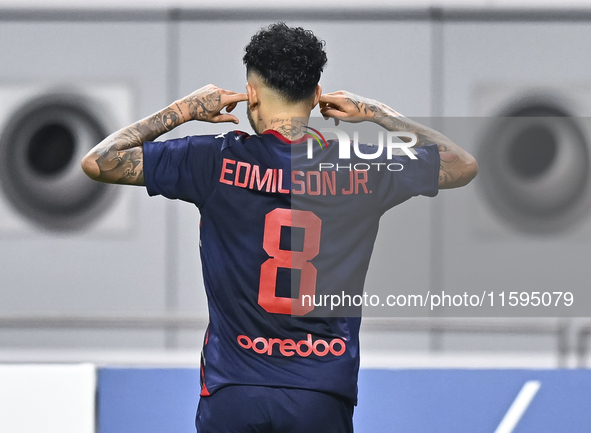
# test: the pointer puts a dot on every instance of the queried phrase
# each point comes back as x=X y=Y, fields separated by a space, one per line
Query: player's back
x=279 y=236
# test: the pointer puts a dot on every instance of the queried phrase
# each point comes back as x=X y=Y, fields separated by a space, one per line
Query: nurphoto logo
x=392 y=147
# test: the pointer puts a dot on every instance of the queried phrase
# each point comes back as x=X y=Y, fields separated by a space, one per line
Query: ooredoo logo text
x=289 y=347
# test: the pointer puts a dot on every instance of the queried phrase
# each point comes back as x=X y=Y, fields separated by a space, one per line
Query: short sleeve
x=404 y=177
x=182 y=168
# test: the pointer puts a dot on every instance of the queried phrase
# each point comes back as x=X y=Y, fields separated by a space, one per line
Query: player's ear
x=253 y=99
x=317 y=95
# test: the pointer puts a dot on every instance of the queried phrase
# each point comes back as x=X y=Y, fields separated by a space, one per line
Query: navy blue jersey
x=278 y=230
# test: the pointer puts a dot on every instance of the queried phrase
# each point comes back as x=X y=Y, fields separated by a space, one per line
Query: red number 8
x=279 y=258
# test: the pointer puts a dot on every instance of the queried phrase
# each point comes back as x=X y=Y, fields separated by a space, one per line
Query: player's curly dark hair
x=290 y=60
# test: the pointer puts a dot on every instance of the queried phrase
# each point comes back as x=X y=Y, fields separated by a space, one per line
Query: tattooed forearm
x=170 y=119
x=119 y=157
x=145 y=130
x=456 y=167
x=180 y=111
x=122 y=166
x=388 y=118
x=393 y=121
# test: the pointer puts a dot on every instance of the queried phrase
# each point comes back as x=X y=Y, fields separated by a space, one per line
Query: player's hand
x=207 y=103
x=348 y=107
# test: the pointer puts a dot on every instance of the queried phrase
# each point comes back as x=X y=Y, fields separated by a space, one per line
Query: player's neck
x=269 y=109
x=291 y=128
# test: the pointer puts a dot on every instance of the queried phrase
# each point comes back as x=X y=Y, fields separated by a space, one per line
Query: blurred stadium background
x=100 y=277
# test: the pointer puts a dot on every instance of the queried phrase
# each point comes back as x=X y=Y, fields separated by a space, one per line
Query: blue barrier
x=390 y=401
x=138 y=400
x=471 y=401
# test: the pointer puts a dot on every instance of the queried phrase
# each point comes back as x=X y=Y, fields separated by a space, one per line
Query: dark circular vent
x=40 y=152
x=534 y=162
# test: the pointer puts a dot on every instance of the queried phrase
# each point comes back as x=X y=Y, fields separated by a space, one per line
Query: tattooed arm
x=457 y=167
x=119 y=157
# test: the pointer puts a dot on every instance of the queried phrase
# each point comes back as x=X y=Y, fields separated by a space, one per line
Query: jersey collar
x=285 y=139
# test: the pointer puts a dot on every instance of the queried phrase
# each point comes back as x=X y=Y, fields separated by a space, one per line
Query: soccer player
x=277 y=231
